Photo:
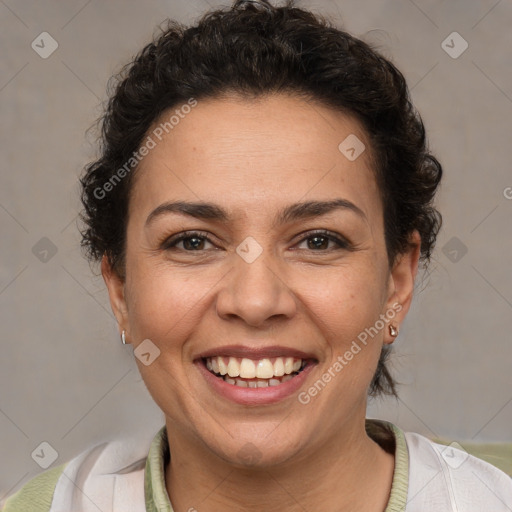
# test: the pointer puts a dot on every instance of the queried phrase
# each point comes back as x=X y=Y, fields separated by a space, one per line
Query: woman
x=260 y=208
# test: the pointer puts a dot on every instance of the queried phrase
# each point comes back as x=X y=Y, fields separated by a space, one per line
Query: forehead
x=255 y=155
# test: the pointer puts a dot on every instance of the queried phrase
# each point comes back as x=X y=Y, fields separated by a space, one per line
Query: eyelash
x=342 y=243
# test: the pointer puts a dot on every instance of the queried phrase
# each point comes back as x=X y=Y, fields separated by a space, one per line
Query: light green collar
x=400 y=486
x=157 y=499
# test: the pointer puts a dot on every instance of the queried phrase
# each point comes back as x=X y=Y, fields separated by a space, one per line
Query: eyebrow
x=293 y=212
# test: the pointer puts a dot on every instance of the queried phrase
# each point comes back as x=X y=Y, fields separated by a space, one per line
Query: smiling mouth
x=259 y=373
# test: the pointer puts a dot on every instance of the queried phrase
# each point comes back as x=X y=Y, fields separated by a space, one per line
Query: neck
x=349 y=472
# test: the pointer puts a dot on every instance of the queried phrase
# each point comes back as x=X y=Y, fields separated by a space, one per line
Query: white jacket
x=122 y=476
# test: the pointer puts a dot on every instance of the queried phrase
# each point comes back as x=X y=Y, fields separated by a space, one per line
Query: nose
x=255 y=292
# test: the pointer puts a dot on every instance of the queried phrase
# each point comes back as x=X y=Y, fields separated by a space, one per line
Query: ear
x=401 y=283
x=115 y=287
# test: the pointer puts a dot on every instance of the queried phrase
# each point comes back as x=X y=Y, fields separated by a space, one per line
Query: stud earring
x=123 y=337
x=393 y=331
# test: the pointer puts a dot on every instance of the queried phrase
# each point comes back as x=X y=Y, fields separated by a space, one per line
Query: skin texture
x=254 y=157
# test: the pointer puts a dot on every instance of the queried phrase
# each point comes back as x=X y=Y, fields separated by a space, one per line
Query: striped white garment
x=110 y=478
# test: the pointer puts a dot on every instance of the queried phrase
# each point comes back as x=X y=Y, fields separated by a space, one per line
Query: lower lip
x=254 y=396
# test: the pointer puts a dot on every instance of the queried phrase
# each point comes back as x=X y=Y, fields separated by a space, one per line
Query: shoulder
x=440 y=475
x=37 y=494
x=100 y=475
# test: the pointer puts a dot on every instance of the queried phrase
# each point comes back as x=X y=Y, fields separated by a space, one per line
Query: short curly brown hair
x=252 y=49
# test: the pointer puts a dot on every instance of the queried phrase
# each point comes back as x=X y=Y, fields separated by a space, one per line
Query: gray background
x=66 y=379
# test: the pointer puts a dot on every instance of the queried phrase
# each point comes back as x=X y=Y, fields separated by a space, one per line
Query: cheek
x=166 y=304
x=165 y=307
x=347 y=309
x=163 y=303
x=350 y=299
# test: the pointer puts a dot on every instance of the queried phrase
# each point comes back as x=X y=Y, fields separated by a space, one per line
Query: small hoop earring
x=123 y=337
x=393 y=331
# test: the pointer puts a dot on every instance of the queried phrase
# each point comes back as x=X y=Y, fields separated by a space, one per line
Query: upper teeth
x=250 y=369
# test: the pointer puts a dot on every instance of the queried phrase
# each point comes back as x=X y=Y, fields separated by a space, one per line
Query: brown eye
x=319 y=241
x=192 y=242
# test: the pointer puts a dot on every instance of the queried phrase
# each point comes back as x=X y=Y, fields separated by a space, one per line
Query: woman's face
x=285 y=266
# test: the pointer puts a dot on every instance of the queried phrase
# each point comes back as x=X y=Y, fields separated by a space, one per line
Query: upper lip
x=255 y=353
